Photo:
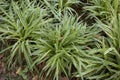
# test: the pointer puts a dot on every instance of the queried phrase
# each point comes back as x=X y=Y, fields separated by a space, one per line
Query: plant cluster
x=47 y=38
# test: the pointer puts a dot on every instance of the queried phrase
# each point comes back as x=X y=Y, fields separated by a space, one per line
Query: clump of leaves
x=18 y=30
x=107 y=54
x=102 y=9
x=104 y=62
x=63 y=46
x=62 y=4
x=60 y=7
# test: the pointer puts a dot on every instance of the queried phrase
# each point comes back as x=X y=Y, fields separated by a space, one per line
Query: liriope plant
x=59 y=7
x=18 y=30
x=104 y=62
x=102 y=9
x=107 y=53
x=62 y=4
x=63 y=46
